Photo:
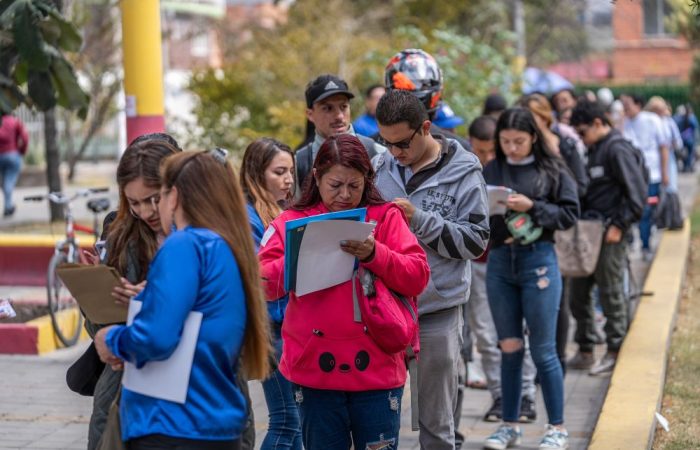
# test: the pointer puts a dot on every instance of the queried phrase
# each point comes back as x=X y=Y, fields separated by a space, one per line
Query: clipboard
x=91 y=286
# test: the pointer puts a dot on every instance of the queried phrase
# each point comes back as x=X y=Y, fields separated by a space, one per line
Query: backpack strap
x=412 y=363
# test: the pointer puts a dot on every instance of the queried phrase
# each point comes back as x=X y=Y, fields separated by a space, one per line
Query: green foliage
x=33 y=70
x=260 y=90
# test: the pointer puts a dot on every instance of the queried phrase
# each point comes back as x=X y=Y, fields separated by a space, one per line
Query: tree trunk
x=53 y=161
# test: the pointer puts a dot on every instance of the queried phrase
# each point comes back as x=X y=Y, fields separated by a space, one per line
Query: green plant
x=33 y=69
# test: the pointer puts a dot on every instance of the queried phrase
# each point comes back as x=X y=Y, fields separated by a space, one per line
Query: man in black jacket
x=328 y=108
x=616 y=194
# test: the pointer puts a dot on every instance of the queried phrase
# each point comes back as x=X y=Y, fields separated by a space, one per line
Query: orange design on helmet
x=402 y=82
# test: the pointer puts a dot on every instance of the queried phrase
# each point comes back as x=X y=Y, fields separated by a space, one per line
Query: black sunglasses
x=402 y=145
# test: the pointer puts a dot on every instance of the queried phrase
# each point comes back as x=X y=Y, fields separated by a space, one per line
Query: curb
x=24 y=258
x=36 y=337
x=627 y=419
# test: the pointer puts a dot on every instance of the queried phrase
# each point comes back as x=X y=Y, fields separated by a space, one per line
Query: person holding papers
x=267 y=179
x=522 y=277
x=347 y=388
x=133 y=234
x=206 y=268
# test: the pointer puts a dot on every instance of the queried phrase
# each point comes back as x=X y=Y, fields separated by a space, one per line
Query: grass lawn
x=681 y=402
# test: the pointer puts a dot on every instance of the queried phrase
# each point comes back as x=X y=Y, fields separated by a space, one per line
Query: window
x=655 y=11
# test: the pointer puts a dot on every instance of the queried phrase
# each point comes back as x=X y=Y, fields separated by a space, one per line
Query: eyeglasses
x=219 y=154
x=401 y=145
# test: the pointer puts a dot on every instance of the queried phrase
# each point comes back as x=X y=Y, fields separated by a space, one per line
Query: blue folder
x=294 y=231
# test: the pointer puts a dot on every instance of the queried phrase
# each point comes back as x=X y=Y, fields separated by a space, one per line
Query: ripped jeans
x=335 y=420
x=523 y=282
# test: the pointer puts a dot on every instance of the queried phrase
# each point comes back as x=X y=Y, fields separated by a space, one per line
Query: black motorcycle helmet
x=416 y=71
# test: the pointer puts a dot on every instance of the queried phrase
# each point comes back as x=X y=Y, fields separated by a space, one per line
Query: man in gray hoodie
x=439 y=186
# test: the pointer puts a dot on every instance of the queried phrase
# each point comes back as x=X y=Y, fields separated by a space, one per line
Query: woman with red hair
x=347 y=387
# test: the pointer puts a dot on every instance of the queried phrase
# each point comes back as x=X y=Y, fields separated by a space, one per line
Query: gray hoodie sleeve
x=467 y=234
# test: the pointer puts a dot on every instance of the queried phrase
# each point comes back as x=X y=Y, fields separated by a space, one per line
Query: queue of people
x=192 y=235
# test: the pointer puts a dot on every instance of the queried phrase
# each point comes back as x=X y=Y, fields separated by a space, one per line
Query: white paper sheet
x=167 y=379
x=322 y=263
x=498 y=195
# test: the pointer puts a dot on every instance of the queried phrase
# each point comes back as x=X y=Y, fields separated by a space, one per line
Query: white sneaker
x=605 y=366
x=555 y=439
x=505 y=436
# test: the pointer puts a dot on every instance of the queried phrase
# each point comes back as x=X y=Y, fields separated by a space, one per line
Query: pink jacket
x=13 y=136
x=324 y=348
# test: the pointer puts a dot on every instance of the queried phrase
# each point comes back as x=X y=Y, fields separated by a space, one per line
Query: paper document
x=322 y=263
x=91 y=286
x=498 y=195
x=167 y=379
x=313 y=258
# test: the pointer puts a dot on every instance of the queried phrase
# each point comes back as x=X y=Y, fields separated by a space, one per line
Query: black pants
x=162 y=442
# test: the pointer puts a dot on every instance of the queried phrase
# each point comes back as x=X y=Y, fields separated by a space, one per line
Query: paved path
x=37 y=411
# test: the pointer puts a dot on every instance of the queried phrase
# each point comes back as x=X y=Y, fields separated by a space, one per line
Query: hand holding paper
x=361 y=250
x=498 y=198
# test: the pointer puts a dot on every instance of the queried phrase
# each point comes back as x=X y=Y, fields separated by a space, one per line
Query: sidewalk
x=101 y=174
x=38 y=411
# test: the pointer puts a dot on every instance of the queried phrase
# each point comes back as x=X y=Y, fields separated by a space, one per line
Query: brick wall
x=638 y=58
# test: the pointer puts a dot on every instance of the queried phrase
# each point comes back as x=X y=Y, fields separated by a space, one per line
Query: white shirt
x=647 y=133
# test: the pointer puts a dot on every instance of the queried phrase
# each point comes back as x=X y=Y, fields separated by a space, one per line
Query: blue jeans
x=647 y=220
x=10 y=165
x=523 y=282
x=335 y=420
x=284 y=429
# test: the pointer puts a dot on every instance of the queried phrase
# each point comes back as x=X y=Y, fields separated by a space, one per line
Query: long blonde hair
x=257 y=157
x=211 y=198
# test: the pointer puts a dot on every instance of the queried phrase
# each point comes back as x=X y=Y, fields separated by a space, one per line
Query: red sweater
x=320 y=324
x=13 y=136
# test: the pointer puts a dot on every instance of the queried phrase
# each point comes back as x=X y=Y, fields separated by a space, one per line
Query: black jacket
x=569 y=153
x=618 y=182
x=556 y=207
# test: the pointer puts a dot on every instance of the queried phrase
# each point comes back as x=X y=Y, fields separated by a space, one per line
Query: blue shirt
x=275 y=308
x=366 y=125
x=194 y=270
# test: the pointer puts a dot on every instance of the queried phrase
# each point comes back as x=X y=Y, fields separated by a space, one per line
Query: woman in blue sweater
x=206 y=264
x=267 y=178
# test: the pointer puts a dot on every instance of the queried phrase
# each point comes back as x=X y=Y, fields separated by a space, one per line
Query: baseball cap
x=324 y=87
x=446 y=117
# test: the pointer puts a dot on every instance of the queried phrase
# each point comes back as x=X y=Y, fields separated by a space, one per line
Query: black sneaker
x=495 y=413
x=528 y=414
x=9 y=212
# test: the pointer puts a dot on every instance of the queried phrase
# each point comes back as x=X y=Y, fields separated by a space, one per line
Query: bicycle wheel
x=67 y=324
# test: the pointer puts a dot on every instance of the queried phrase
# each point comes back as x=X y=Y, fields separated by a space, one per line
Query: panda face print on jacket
x=327 y=362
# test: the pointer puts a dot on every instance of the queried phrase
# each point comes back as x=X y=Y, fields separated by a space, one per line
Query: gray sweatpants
x=440 y=341
x=105 y=391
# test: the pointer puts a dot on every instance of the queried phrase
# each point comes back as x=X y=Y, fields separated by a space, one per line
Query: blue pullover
x=275 y=308
x=194 y=270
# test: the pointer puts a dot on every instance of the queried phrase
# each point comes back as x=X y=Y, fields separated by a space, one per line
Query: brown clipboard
x=91 y=286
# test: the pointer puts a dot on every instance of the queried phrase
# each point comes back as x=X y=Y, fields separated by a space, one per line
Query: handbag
x=390 y=318
x=112 y=435
x=578 y=247
x=83 y=374
x=668 y=214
